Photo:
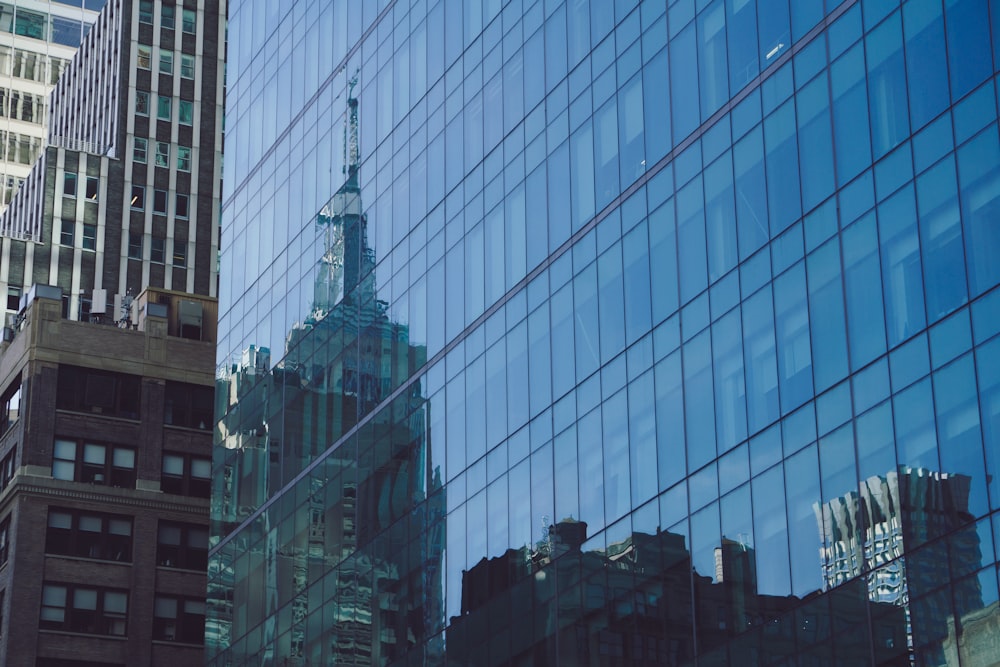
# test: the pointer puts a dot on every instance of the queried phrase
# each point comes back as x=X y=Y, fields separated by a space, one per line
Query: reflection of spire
x=346 y=256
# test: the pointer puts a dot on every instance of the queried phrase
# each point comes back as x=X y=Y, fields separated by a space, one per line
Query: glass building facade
x=609 y=333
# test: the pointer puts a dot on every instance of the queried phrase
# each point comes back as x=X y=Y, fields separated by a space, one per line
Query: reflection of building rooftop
x=638 y=600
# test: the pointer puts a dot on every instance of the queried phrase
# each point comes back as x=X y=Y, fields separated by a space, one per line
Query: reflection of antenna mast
x=351 y=145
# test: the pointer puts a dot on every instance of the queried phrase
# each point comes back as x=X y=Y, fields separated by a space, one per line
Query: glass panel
x=124 y=458
x=173 y=465
x=165 y=607
x=60 y=520
x=120 y=526
x=115 y=603
x=94 y=454
x=85 y=598
x=90 y=523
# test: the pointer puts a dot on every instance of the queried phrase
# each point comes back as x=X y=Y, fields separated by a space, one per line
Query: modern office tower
x=579 y=333
x=106 y=438
x=125 y=194
x=37 y=40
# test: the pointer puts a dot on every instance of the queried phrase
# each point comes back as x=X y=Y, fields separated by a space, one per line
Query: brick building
x=105 y=447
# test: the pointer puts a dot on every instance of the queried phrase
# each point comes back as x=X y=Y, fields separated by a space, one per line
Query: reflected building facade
x=645 y=333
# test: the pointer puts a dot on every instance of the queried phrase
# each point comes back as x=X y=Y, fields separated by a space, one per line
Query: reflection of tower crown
x=346 y=259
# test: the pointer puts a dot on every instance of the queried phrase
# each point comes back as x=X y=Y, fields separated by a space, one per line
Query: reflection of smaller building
x=639 y=603
x=897 y=533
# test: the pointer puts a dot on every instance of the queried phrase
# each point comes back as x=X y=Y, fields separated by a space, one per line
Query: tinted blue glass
x=791 y=317
x=751 y=201
x=656 y=101
x=850 y=120
x=683 y=82
x=967 y=24
x=826 y=315
x=728 y=386
x=671 y=454
x=761 y=360
x=713 y=73
x=926 y=60
x=865 y=317
x=901 y=269
x=699 y=414
x=979 y=183
x=773 y=29
x=941 y=238
x=887 y=95
x=781 y=149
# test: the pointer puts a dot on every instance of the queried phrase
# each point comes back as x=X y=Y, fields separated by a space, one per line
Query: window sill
x=72 y=633
x=85 y=559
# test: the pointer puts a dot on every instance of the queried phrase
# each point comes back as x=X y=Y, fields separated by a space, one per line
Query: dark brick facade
x=43 y=344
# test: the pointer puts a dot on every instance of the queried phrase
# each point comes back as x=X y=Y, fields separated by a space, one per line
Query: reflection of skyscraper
x=342 y=359
x=867 y=533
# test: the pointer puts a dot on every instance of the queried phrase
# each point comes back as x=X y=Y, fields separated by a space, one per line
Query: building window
x=89 y=237
x=7 y=467
x=76 y=608
x=144 y=56
x=166 y=62
x=189 y=405
x=183 y=158
x=162 y=154
x=135 y=246
x=167 y=15
x=157 y=253
x=160 y=202
x=14 y=293
x=187 y=475
x=182 y=545
x=10 y=403
x=139 y=148
x=180 y=253
x=138 y=201
x=185 y=112
x=30 y=24
x=189 y=21
x=141 y=103
x=89 y=535
x=146 y=11
x=78 y=461
x=67 y=232
x=69 y=185
x=99 y=392
x=4 y=540
x=181 y=206
x=187 y=66
x=178 y=620
x=163 y=107
x=93 y=184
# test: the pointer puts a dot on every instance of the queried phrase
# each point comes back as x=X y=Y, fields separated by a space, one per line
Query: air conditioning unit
x=8 y=334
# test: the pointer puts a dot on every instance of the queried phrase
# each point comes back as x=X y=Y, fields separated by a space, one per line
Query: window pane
x=85 y=598
x=63 y=470
x=60 y=520
x=54 y=596
x=170 y=535
x=65 y=449
x=115 y=603
x=94 y=454
x=201 y=468
x=91 y=524
x=120 y=527
x=124 y=458
x=165 y=608
x=173 y=465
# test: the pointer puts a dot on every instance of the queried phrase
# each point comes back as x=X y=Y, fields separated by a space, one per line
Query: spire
x=351 y=144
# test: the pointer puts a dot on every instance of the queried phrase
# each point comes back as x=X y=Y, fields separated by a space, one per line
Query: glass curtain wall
x=609 y=333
